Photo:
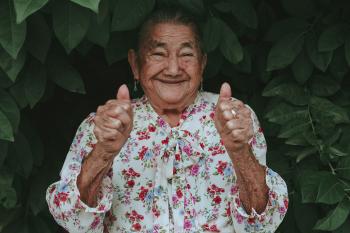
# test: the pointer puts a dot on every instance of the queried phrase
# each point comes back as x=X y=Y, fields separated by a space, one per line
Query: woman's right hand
x=113 y=124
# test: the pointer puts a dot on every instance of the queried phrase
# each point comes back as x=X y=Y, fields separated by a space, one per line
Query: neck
x=172 y=113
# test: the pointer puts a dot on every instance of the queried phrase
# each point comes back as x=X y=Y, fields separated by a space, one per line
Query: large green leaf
x=347 y=50
x=283 y=113
x=18 y=93
x=12 y=35
x=322 y=187
x=11 y=66
x=129 y=14
x=90 y=4
x=212 y=33
x=38 y=39
x=343 y=168
x=300 y=8
x=70 y=23
x=324 y=110
x=21 y=157
x=345 y=228
x=320 y=59
x=3 y=151
x=280 y=28
x=99 y=32
x=230 y=46
x=285 y=51
x=9 y=107
x=244 y=11
x=34 y=83
x=330 y=190
x=335 y=218
x=193 y=6
x=331 y=38
x=322 y=85
x=64 y=75
x=291 y=92
x=302 y=68
x=6 y=131
x=294 y=127
x=117 y=47
x=24 y=8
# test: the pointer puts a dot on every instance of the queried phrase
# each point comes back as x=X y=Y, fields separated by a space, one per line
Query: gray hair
x=169 y=15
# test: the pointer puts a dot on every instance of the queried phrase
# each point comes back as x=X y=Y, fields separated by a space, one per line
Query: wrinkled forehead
x=169 y=35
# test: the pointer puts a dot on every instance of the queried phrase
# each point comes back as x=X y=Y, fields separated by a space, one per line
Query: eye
x=158 y=54
x=187 y=55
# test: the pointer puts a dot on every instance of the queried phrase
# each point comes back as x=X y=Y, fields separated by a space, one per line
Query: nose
x=173 y=66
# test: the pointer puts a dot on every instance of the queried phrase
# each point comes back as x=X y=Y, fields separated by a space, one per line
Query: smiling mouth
x=171 y=81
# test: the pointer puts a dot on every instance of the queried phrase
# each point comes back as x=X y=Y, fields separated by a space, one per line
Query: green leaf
x=90 y=4
x=34 y=83
x=9 y=107
x=103 y=11
x=299 y=8
x=193 y=6
x=334 y=218
x=244 y=11
x=293 y=127
x=338 y=66
x=11 y=66
x=284 y=113
x=330 y=191
x=24 y=8
x=331 y=38
x=285 y=51
x=230 y=46
x=305 y=153
x=324 y=110
x=99 y=32
x=290 y=92
x=3 y=151
x=305 y=215
x=345 y=228
x=12 y=35
x=212 y=34
x=38 y=39
x=129 y=14
x=343 y=168
x=6 y=131
x=17 y=91
x=70 y=23
x=320 y=59
x=21 y=155
x=281 y=28
x=117 y=47
x=347 y=50
x=322 y=85
x=64 y=75
x=302 y=68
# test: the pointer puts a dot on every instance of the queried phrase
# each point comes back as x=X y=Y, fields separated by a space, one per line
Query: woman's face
x=170 y=67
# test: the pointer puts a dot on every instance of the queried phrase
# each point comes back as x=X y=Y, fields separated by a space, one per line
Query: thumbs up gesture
x=114 y=122
x=233 y=121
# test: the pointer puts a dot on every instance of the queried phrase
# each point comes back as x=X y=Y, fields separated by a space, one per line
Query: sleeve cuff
x=277 y=203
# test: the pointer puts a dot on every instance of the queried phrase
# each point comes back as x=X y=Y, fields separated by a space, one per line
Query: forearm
x=250 y=179
x=93 y=170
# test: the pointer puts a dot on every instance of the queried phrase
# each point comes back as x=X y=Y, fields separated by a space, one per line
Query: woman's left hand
x=233 y=121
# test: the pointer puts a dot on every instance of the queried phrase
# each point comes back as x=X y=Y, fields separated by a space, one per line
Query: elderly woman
x=177 y=159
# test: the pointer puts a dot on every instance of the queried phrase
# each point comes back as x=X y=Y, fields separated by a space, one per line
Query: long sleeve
x=63 y=197
x=277 y=204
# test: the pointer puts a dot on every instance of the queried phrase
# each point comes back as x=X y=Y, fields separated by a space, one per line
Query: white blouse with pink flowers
x=166 y=179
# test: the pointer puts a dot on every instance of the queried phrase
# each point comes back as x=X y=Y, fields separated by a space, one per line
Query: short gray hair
x=169 y=15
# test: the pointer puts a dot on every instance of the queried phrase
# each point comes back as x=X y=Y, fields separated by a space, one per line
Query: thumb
x=225 y=91
x=123 y=93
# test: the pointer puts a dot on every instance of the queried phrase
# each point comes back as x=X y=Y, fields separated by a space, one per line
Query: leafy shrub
x=288 y=59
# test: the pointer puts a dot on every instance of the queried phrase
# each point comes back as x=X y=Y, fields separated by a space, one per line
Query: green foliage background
x=288 y=59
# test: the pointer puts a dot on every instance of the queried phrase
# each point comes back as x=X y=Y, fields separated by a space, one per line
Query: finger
x=117 y=110
x=123 y=93
x=232 y=125
x=105 y=134
x=225 y=92
x=113 y=123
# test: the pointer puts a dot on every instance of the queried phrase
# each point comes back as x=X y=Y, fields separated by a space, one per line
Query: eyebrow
x=158 y=44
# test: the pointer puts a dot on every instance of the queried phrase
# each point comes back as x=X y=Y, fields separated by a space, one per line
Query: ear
x=134 y=64
x=204 y=62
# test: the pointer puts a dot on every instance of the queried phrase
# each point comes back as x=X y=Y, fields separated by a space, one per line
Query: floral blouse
x=166 y=179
